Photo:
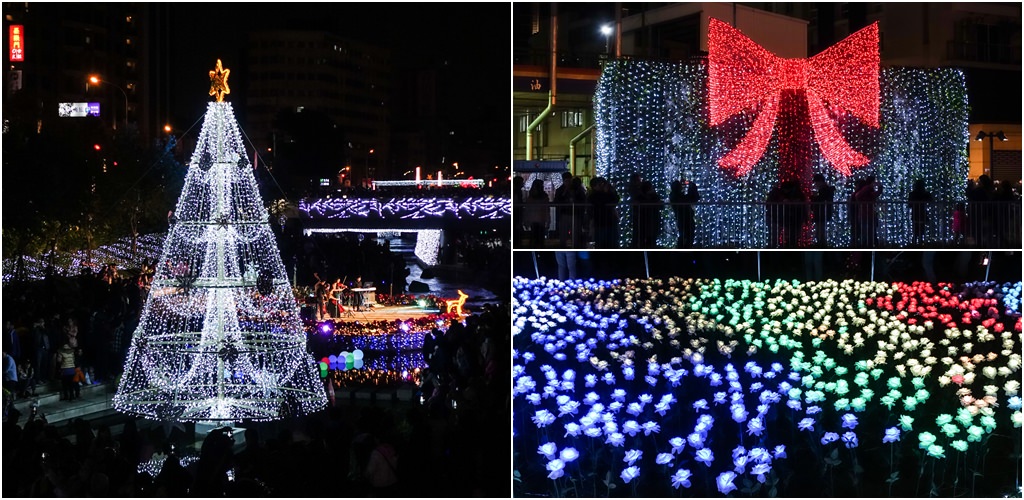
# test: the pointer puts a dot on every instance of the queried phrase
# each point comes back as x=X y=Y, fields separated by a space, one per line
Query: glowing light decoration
x=742 y=75
x=840 y=362
x=486 y=207
x=428 y=246
x=119 y=253
x=652 y=119
x=445 y=182
x=220 y=336
x=457 y=304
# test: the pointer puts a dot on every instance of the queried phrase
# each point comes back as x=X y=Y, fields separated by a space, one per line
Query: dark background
x=468 y=39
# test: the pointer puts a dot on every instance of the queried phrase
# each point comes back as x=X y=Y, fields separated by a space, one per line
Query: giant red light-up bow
x=743 y=75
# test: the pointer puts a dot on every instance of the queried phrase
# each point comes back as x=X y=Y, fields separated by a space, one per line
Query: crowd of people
x=71 y=330
x=795 y=215
x=443 y=447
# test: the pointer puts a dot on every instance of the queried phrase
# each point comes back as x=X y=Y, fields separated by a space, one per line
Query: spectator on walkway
x=537 y=208
x=649 y=216
x=26 y=378
x=683 y=207
x=11 y=339
x=865 y=197
x=568 y=199
x=67 y=363
x=604 y=201
x=919 y=200
x=823 y=198
x=566 y=265
x=10 y=378
x=41 y=350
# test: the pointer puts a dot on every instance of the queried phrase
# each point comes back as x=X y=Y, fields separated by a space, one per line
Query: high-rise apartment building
x=60 y=47
x=347 y=80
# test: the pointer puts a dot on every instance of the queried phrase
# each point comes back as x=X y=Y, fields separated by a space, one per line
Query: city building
x=347 y=80
x=573 y=53
x=76 y=54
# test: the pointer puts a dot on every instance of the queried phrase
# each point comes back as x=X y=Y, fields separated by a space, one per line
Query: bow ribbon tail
x=750 y=149
x=833 y=146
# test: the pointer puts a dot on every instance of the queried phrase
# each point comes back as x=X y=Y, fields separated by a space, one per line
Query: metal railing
x=995 y=224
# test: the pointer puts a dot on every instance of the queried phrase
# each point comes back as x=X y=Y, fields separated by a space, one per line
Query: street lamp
x=366 y=162
x=991 y=137
x=95 y=79
x=606 y=30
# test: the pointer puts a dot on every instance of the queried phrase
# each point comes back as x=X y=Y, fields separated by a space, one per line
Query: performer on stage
x=320 y=294
x=336 y=291
x=357 y=297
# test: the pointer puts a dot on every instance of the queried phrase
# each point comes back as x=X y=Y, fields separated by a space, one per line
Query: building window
x=572 y=118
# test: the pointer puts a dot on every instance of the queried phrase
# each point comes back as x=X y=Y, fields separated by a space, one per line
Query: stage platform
x=382 y=313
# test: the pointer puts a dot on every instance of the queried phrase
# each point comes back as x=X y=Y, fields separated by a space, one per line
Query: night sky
x=470 y=39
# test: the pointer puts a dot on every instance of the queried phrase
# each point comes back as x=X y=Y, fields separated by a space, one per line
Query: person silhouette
x=822 y=199
x=919 y=200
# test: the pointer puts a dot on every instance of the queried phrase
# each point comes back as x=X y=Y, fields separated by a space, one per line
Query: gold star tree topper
x=219 y=82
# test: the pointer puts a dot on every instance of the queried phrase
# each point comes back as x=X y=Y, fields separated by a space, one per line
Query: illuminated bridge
x=429 y=217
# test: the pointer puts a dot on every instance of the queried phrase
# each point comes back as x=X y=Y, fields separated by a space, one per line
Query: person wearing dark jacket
x=649 y=220
x=603 y=202
x=822 y=199
x=537 y=205
x=682 y=205
x=919 y=199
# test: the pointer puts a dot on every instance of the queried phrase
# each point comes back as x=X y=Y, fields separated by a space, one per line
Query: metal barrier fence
x=995 y=224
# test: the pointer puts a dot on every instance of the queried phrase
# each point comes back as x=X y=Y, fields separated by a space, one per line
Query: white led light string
x=210 y=345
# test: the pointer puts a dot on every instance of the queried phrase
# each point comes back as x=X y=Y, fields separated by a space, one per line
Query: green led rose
x=988 y=423
x=858 y=404
x=909 y=403
x=950 y=430
x=964 y=417
x=905 y=423
x=925 y=439
x=861 y=379
x=936 y=451
x=974 y=433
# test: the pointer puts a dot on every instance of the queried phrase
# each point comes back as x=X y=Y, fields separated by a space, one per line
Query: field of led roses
x=682 y=387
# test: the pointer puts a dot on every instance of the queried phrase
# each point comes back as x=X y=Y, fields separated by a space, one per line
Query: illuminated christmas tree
x=220 y=336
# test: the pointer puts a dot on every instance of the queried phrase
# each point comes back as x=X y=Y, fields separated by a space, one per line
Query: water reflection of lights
x=377 y=378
